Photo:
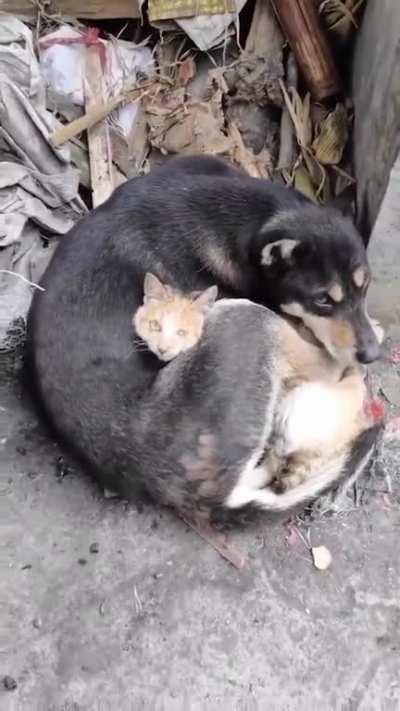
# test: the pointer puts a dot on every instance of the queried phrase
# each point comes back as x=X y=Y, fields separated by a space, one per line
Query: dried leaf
x=304 y=184
x=322 y=557
x=258 y=166
x=186 y=71
x=340 y=15
x=316 y=170
x=329 y=145
x=192 y=128
x=299 y=111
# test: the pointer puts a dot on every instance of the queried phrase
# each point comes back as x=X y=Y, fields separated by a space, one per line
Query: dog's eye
x=155 y=326
x=181 y=332
x=323 y=301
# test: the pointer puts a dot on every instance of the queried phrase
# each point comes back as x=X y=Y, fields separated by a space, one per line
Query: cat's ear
x=154 y=290
x=206 y=298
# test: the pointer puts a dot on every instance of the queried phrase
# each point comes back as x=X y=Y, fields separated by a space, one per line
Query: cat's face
x=171 y=322
x=169 y=327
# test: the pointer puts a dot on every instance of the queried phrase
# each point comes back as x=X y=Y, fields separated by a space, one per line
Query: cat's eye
x=182 y=332
x=154 y=326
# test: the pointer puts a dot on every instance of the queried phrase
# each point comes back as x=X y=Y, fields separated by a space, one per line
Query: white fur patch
x=309 y=417
x=270 y=501
x=293 y=309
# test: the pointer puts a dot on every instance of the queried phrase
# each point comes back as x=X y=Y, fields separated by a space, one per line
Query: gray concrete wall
x=376 y=91
x=384 y=256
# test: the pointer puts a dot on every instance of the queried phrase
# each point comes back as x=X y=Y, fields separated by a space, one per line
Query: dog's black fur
x=194 y=223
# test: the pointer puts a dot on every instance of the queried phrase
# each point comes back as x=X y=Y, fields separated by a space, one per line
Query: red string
x=89 y=37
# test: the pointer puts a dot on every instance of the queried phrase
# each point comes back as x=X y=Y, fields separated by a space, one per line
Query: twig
x=218 y=541
x=138 y=602
x=101 y=111
x=31 y=283
x=286 y=148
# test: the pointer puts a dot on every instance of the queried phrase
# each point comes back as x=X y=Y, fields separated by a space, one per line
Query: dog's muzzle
x=368 y=348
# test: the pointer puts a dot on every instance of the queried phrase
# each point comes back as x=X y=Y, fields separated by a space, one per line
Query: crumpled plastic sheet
x=206 y=31
x=18 y=61
x=38 y=185
x=63 y=67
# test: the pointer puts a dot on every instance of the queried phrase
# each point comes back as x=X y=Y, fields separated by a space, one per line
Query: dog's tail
x=342 y=469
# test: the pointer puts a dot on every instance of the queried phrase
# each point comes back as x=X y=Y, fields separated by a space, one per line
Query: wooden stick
x=100 y=161
x=286 y=148
x=217 y=540
x=301 y=25
x=98 y=112
x=90 y=9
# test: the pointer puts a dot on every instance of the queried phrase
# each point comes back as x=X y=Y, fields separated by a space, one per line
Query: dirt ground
x=106 y=607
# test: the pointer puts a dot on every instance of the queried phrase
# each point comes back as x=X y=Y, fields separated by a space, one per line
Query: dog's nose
x=368 y=353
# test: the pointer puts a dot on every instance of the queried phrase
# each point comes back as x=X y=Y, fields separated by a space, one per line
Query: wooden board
x=100 y=161
x=171 y=9
x=87 y=9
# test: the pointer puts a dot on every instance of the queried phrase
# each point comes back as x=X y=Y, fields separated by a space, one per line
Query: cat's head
x=171 y=322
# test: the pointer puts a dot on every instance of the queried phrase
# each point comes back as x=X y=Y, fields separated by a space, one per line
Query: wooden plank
x=87 y=9
x=172 y=9
x=301 y=24
x=100 y=160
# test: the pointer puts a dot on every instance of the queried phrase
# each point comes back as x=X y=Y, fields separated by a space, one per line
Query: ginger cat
x=170 y=322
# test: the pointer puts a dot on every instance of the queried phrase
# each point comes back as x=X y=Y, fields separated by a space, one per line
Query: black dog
x=188 y=431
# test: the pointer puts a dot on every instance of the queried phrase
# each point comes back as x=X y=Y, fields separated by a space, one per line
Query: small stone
x=94 y=548
x=82 y=561
x=62 y=468
x=26 y=567
x=9 y=683
x=322 y=557
x=33 y=475
x=37 y=623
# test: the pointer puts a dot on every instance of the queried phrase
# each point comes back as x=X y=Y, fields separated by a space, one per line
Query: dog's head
x=315 y=264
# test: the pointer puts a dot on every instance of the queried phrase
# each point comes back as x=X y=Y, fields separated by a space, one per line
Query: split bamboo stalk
x=301 y=25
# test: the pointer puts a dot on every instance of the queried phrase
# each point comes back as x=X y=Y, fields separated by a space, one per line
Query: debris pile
x=93 y=94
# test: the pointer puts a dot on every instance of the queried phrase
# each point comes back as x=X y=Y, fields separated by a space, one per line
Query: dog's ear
x=279 y=251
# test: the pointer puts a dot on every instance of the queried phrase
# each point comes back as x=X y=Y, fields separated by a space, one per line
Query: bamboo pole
x=301 y=25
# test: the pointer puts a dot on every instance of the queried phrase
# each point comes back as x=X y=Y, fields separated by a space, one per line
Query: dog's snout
x=369 y=352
